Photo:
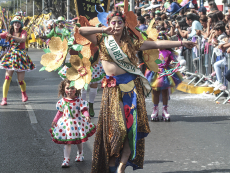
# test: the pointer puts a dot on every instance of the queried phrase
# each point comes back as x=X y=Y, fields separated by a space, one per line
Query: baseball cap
x=202 y=9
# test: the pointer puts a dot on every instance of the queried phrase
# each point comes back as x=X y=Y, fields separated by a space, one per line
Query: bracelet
x=122 y=163
x=102 y=29
x=181 y=43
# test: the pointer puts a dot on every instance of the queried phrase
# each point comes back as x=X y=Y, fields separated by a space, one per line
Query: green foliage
x=80 y=55
x=72 y=83
x=46 y=50
x=56 y=7
x=43 y=68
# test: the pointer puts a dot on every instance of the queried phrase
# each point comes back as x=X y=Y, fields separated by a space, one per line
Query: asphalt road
x=196 y=140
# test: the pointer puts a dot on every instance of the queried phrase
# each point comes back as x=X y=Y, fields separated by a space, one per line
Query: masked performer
x=123 y=121
x=16 y=59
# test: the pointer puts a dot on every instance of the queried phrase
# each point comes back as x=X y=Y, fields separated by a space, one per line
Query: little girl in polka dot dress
x=68 y=126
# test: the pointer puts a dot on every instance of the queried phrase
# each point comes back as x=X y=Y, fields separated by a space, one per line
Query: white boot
x=165 y=114
x=154 y=115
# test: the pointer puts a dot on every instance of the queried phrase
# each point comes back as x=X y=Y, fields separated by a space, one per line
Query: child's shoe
x=154 y=115
x=79 y=157
x=165 y=114
x=65 y=163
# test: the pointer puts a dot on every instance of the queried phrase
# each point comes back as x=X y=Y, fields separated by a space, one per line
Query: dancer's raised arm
x=90 y=32
x=166 y=44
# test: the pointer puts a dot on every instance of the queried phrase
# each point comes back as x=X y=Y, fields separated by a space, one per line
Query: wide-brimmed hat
x=60 y=18
x=17 y=19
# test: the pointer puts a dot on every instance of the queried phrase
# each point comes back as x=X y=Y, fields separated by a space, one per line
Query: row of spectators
x=211 y=29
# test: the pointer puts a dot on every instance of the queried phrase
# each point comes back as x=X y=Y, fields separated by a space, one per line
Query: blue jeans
x=217 y=68
x=227 y=75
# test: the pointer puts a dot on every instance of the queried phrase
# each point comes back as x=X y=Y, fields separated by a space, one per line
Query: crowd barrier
x=204 y=61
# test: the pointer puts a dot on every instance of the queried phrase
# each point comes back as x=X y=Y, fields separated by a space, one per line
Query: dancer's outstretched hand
x=109 y=30
x=189 y=44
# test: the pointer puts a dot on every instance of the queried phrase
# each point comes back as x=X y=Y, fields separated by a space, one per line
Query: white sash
x=123 y=62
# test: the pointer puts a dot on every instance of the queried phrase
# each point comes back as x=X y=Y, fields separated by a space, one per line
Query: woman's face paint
x=118 y=24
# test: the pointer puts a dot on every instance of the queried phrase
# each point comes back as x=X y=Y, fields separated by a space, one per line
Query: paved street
x=196 y=140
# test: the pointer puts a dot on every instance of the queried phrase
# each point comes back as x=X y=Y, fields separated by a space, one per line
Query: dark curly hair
x=12 y=30
x=62 y=85
x=115 y=13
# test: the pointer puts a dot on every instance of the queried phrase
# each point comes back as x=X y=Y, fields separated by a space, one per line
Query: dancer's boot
x=91 y=110
x=5 y=89
x=23 y=89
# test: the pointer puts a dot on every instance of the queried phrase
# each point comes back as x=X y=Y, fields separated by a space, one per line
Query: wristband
x=181 y=43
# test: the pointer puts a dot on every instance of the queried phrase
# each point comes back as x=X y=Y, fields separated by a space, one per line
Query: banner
x=87 y=7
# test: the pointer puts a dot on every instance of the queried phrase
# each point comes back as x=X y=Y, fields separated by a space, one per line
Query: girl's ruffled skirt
x=72 y=130
x=17 y=60
x=159 y=82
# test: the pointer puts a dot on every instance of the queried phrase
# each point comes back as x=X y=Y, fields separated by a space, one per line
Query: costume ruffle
x=76 y=140
x=62 y=72
x=165 y=82
x=167 y=77
x=98 y=73
x=16 y=59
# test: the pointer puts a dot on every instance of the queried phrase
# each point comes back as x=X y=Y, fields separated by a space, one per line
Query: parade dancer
x=68 y=126
x=16 y=59
x=97 y=75
x=164 y=81
x=59 y=31
x=123 y=121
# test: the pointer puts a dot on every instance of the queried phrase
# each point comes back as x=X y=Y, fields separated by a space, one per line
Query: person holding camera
x=191 y=20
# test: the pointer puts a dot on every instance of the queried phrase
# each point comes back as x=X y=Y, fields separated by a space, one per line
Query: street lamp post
x=14 y=6
x=67 y=10
x=26 y=7
x=33 y=7
x=42 y=6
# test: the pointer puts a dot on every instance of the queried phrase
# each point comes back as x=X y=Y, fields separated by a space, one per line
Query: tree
x=58 y=7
